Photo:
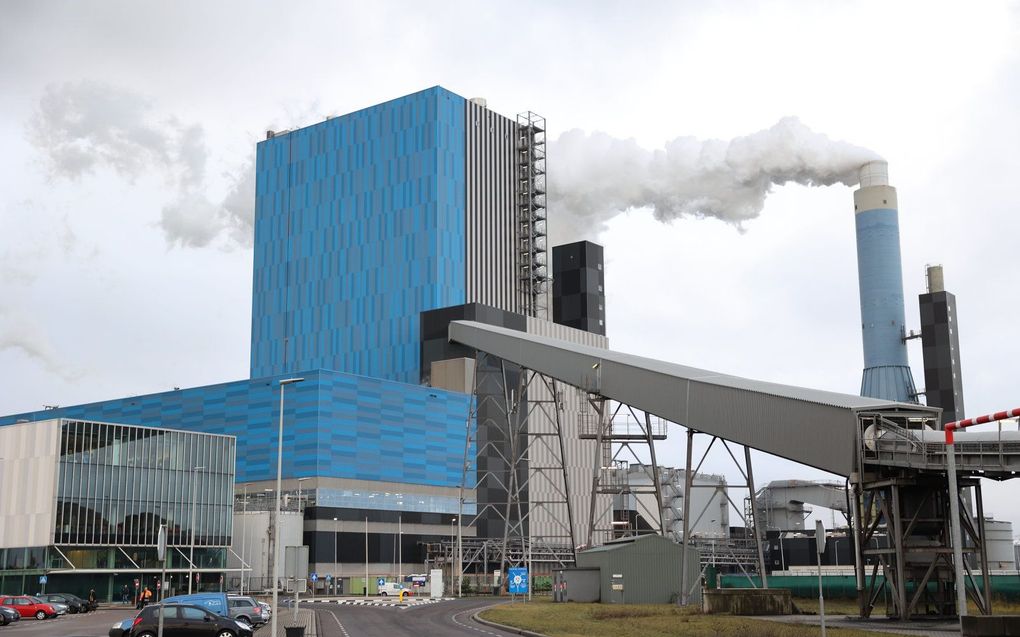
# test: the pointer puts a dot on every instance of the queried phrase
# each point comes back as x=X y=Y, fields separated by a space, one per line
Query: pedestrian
x=146 y=596
x=125 y=594
x=92 y=599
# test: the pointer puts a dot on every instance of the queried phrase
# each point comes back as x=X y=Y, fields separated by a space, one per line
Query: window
x=169 y=612
x=192 y=613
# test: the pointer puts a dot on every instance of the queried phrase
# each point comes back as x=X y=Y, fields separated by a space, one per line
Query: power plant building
x=363 y=222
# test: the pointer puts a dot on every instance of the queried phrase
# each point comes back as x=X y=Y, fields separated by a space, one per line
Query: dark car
x=29 y=606
x=122 y=628
x=74 y=603
x=181 y=620
x=8 y=615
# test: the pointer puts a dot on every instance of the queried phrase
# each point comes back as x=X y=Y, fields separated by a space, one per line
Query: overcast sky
x=128 y=128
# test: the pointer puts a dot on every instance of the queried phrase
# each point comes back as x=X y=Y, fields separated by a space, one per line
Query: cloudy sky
x=128 y=131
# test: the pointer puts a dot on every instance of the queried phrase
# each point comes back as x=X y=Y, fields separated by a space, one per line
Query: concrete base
x=991 y=625
x=748 y=601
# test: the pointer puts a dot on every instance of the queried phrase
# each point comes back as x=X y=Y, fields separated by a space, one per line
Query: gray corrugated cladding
x=809 y=426
x=650 y=566
x=491 y=208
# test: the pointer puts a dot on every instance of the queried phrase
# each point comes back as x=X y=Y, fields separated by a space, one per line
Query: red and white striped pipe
x=980 y=420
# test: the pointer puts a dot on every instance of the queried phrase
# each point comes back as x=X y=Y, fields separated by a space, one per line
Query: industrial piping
x=954 y=500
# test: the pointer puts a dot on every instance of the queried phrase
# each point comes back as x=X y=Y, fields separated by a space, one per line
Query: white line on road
x=342 y=629
x=480 y=630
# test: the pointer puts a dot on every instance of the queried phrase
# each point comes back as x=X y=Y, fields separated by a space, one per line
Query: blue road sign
x=315 y=577
x=42 y=579
x=380 y=581
x=518 y=581
x=328 y=577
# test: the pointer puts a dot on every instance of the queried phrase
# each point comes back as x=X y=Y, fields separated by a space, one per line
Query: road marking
x=480 y=630
x=342 y=629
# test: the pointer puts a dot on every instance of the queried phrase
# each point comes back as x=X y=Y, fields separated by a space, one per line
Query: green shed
x=643 y=569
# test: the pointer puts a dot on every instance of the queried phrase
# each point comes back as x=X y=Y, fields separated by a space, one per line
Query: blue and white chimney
x=880 y=276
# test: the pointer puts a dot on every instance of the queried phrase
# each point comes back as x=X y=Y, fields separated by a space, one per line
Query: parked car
x=267 y=610
x=390 y=588
x=185 y=620
x=246 y=609
x=62 y=609
x=74 y=603
x=213 y=602
x=29 y=606
x=122 y=628
x=8 y=615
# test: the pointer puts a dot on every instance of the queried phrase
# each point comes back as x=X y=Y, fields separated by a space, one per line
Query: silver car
x=246 y=609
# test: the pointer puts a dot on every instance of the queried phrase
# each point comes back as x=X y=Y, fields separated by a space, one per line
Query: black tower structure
x=940 y=342
x=579 y=284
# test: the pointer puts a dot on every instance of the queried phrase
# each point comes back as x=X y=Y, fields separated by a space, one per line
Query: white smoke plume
x=83 y=127
x=594 y=177
x=19 y=333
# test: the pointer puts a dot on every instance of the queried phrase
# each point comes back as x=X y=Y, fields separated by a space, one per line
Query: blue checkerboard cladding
x=359 y=226
x=335 y=425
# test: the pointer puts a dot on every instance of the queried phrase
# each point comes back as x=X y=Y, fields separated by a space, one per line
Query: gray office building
x=93 y=497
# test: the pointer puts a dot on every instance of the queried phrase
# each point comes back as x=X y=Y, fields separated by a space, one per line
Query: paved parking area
x=95 y=624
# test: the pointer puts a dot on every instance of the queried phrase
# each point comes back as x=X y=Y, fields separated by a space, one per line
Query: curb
x=504 y=627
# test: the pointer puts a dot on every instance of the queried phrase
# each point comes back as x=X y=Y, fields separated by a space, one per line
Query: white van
x=391 y=588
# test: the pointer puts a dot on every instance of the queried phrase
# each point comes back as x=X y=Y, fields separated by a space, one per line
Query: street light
x=276 y=520
x=336 y=549
x=244 y=531
x=191 y=552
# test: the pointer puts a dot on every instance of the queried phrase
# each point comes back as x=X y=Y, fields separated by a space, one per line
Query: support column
x=755 y=521
x=656 y=478
x=982 y=547
x=901 y=570
x=855 y=511
x=688 y=481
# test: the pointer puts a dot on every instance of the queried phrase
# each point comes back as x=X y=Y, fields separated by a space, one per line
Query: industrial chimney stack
x=880 y=276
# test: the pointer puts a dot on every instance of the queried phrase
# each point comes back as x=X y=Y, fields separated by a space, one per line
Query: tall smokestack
x=880 y=276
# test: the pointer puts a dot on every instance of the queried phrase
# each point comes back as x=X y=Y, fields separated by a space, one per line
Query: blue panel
x=335 y=426
x=359 y=226
x=880 y=277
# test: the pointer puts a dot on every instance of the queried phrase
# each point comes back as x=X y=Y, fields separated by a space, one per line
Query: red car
x=29 y=606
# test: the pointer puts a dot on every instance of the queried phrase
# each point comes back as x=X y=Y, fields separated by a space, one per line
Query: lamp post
x=191 y=551
x=244 y=531
x=453 y=552
x=366 y=556
x=400 y=549
x=336 y=549
x=276 y=520
x=301 y=514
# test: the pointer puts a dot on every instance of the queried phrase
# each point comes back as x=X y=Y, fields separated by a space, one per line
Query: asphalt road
x=95 y=624
x=451 y=618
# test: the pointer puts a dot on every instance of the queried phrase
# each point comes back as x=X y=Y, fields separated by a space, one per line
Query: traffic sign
x=328 y=577
x=315 y=577
x=518 y=580
x=380 y=581
x=42 y=579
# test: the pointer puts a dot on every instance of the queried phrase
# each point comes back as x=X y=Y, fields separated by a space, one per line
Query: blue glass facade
x=335 y=425
x=359 y=226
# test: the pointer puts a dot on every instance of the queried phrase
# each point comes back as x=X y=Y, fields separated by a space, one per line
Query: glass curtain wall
x=118 y=483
